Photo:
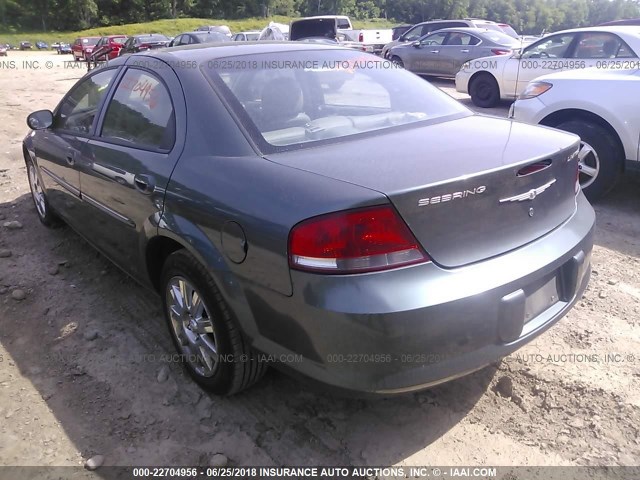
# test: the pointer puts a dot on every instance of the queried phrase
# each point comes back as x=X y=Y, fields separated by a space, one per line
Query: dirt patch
x=82 y=348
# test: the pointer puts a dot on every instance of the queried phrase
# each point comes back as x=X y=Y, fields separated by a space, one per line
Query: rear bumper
x=412 y=328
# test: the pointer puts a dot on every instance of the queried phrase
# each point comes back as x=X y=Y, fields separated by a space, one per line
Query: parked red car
x=83 y=47
x=108 y=47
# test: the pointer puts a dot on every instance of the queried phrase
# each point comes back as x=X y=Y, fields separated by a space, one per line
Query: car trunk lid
x=468 y=189
x=313 y=28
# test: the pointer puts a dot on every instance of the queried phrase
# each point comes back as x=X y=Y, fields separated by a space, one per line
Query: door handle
x=435 y=51
x=144 y=184
x=465 y=50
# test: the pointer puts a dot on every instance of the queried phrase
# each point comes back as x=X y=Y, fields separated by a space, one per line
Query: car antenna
x=515 y=87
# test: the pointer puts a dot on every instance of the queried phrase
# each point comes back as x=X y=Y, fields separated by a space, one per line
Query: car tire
x=398 y=61
x=206 y=335
x=601 y=159
x=484 y=91
x=46 y=215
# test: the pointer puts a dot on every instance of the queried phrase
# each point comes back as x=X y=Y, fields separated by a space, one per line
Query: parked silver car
x=421 y=29
x=444 y=52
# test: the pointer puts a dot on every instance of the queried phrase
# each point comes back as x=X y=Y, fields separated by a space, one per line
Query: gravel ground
x=84 y=370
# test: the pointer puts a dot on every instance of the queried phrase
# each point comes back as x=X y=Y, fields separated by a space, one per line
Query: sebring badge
x=530 y=195
x=448 y=197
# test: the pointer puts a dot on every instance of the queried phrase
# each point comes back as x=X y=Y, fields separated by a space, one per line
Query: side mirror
x=40 y=120
x=416 y=44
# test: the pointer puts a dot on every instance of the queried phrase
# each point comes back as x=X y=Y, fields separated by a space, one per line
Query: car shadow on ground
x=95 y=347
x=618 y=218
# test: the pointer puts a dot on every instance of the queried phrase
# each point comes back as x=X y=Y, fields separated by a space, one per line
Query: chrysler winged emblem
x=530 y=195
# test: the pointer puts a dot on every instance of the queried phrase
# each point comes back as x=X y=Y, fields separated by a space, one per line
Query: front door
x=61 y=151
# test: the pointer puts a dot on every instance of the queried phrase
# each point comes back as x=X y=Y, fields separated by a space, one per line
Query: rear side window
x=600 y=45
x=415 y=33
x=141 y=112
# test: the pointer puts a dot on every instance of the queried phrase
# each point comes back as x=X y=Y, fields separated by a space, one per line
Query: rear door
x=139 y=139
x=458 y=48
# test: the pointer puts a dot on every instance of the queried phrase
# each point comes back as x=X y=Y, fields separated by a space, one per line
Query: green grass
x=169 y=27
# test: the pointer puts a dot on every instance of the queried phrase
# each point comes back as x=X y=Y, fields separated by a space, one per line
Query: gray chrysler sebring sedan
x=317 y=209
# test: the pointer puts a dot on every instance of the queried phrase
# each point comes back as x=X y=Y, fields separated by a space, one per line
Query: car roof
x=623 y=29
x=468 y=20
x=211 y=51
x=464 y=29
x=148 y=34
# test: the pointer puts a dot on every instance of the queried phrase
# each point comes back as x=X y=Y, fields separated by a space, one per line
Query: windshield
x=119 y=40
x=252 y=36
x=90 y=41
x=295 y=98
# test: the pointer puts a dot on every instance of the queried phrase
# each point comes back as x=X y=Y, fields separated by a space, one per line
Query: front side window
x=302 y=97
x=140 y=112
x=78 y=110
x=556 y=46
x=435 y=39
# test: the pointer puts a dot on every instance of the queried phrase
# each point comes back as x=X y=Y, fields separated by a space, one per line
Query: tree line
x=526 y=16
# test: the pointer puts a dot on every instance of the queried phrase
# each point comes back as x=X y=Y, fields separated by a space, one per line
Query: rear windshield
x=502 y=28
x=501 y=38
x=156 y=37
x=298 y=98
x=252 y=36
x=208 y=37
x=508 y=29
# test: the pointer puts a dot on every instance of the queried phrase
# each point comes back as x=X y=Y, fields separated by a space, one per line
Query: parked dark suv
x=421 y=29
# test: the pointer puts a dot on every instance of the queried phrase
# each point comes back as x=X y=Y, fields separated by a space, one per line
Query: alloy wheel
x=37 y=192
x=192 y=326
x=588 y=165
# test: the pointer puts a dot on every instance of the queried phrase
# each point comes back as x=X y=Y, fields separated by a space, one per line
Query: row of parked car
x=490 y=62
x=584 y=81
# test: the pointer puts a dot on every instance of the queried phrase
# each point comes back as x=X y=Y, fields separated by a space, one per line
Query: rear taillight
x=352 y=241
x=500 y=51
x=144 y=46
x=361 y=37
x=533 y=168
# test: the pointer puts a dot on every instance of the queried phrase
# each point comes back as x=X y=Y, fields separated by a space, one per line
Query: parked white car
x=599 y=106
x=487 y=80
